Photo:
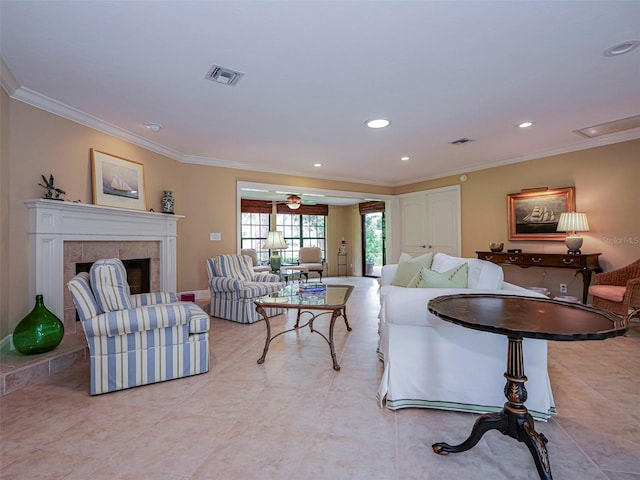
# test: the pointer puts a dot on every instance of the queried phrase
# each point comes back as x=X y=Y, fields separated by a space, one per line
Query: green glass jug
x=40 y=331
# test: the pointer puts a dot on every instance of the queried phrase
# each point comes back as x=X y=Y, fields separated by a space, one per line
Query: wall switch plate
x=215 y=236
x=563 y=288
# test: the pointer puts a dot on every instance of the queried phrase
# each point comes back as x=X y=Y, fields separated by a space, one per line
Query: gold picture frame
x=117 y=182
x=534 y=214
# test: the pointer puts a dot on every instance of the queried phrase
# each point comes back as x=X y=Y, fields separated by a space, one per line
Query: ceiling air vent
x=223 y=75
x=461 y=141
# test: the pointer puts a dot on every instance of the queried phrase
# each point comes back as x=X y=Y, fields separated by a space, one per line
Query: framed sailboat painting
x=117 y=182
x=534 y=213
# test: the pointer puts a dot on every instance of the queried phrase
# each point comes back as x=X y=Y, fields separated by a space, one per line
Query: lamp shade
x=293 y=206
x=573 y=222
x=275 y=241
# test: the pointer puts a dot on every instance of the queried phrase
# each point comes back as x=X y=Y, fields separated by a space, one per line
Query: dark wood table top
x=527 y=317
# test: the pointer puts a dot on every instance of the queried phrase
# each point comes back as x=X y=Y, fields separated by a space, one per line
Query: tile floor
x=296 y=418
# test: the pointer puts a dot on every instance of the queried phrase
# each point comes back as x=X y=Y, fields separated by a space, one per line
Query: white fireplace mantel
x=52 y=222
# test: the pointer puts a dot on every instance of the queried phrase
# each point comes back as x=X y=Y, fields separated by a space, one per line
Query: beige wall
x=35 y=142
x=4 y=209
x=605 y=179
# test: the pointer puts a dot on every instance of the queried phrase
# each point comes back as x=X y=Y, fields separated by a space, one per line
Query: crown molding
x=618 y=137
x=7 y=80
x=17 y=92
x=51 y=105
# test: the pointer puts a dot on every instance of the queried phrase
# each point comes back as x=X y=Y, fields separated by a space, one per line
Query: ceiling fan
x=294 y=201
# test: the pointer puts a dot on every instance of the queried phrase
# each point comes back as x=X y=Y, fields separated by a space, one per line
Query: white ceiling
x=315 y=71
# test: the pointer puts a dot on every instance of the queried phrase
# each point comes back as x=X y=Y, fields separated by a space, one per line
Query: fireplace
x=62 y=234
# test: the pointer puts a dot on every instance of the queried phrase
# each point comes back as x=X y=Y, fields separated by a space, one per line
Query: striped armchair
x=234 y=286
x=136 y=339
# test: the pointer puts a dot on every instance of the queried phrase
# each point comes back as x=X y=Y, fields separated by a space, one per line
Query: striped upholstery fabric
x=234 y=266
x=150 y=343
x=151 y=356
x=140 y=299
x=109 y=285
x=234 y=286
x=82 y=296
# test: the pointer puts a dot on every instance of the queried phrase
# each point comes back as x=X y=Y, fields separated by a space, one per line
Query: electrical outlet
x=563 y=288
x=215 y=236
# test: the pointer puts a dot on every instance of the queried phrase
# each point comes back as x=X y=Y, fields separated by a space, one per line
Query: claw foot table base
x=518 y=318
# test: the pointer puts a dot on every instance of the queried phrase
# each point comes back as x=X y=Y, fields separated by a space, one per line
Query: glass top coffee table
x=518 y=318
x=310 y=306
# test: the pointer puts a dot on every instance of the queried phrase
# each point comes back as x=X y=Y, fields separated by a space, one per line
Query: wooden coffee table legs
x=514 y=419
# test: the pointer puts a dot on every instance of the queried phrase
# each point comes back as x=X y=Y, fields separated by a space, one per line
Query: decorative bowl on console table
x=496 y=247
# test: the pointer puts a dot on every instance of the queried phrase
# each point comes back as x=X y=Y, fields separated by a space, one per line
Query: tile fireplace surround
x=64 y=233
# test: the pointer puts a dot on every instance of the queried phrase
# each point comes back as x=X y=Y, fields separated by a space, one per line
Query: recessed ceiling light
x=155 y=127
x=621 y=48
x=378 y=123
x=525 y=124
x=404 y=159
x=317 y=165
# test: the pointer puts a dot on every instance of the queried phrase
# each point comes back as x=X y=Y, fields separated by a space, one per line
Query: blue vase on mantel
x=39 y=332
x=168 y=201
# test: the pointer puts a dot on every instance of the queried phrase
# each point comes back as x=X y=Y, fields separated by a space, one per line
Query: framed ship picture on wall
x=534 y=214
x=117 y=182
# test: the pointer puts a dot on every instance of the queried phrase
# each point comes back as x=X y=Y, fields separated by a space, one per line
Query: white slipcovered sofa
x=431 y=363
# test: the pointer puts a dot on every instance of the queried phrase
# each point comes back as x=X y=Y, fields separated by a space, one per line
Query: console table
x=586 y=264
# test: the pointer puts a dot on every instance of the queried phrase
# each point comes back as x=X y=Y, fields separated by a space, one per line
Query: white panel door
x=431 y=221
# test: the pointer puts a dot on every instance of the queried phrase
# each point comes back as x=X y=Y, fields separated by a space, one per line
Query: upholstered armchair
x=136 y=339
x=618 y=291
x=251 y=253
x=311 y=258
x=234 y=286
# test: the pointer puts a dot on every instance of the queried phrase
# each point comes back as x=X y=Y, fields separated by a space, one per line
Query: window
x=255 y=227
x=301 y=231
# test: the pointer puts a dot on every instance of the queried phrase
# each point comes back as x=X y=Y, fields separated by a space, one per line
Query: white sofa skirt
x=454 y=368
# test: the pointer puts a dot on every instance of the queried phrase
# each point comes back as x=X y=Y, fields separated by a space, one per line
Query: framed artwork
x=117 y=182
x=534 y=214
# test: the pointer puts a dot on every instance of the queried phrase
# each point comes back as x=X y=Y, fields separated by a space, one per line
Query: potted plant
x=370 y=261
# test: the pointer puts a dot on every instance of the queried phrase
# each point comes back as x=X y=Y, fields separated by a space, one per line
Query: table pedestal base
x=514 y=419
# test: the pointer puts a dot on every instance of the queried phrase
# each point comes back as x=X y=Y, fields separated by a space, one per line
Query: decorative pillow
x=109 y=284
x=408 y=268
x=454 y=278
x=404 y=257
x=443 y=262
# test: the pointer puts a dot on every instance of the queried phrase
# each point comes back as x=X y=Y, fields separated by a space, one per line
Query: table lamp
x=572 y=222
x=275 y=241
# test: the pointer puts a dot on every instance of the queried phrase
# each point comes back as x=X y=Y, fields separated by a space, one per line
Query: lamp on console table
x=275 y=241
x=572 y=222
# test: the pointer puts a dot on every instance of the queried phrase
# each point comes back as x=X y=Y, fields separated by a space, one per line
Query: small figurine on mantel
x=168 y=202
x=53 y=192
